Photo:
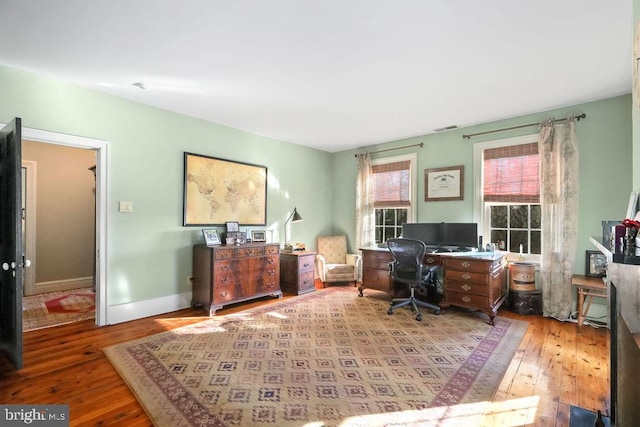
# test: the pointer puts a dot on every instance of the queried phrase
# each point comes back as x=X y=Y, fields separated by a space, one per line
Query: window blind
x=511 y=174
x=392 y=184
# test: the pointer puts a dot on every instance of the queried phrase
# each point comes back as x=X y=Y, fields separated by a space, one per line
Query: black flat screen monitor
x=429 y=233
x=464 y=235
x=442 y=234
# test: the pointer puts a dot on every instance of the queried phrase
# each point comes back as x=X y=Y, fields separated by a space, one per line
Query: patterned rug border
x=454 y=392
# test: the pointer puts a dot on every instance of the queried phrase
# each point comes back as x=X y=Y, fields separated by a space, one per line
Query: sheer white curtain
x=365 y=220
x=558 y=148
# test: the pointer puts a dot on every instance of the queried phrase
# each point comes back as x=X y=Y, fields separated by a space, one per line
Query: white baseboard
x=63 y=285
x=152 y=307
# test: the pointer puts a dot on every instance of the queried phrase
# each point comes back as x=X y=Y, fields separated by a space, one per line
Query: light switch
x=126 y=206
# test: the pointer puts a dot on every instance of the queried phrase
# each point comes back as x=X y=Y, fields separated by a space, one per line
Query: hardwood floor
x=557 y=365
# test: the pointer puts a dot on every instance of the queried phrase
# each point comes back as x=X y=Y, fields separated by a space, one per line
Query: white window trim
x=413 y=173
x=479 y=213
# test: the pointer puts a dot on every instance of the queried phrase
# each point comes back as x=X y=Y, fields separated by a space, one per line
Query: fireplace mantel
x=626 y=278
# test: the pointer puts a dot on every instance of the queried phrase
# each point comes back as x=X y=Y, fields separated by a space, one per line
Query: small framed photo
x=211 y=237
x=258 y=236
x=596 y=264
x=232 y=226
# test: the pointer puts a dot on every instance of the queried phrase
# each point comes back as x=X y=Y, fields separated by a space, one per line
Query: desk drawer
x=468 y=265
x=466 y=276
x=377 y=259
x=466 y=299
x=467 y=287
x=374 y=278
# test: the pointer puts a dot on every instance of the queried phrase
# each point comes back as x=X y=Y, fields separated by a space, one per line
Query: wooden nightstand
x=297 y=272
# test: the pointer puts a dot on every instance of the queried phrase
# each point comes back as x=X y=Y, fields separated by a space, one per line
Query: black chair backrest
x=408 y=257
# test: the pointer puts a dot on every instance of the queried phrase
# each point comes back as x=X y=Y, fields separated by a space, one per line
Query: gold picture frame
x=444 y=184
x=216 y=190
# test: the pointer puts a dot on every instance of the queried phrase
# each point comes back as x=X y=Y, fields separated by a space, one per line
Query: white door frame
x=102 y=156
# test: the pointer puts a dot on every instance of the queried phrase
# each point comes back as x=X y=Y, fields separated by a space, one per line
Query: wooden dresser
x=477 y=282
x=297 y=272
x=224 y=275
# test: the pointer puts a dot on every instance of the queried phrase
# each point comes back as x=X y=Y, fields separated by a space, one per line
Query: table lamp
x=294 y=217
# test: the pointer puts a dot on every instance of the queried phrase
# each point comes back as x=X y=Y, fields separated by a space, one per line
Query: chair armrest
x=353 y=259
x=356 y=261
x=321 y=267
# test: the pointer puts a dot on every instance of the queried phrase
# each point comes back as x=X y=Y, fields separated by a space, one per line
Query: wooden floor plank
x=67 y=365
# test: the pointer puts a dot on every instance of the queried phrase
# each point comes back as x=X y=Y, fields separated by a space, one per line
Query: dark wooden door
x=11 y=250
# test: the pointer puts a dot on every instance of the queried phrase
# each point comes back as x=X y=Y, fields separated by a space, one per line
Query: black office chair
x=407 y=267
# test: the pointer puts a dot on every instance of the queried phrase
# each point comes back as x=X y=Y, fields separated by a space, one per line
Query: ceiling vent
x=446 y=128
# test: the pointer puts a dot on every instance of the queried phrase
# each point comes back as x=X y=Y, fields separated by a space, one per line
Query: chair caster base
x=389 y=312
x=419 y=318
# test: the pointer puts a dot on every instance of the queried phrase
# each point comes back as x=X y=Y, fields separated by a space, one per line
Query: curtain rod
x=581 y=116
x=391 y=149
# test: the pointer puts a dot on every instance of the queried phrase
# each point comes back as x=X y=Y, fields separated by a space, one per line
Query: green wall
x=149 y=251
x=605 y=149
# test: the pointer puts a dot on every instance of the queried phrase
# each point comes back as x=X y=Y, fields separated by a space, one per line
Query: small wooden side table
x=297 y=272
x=588 y=287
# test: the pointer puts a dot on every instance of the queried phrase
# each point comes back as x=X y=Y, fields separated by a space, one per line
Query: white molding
x=63 y=285
x=147 y=308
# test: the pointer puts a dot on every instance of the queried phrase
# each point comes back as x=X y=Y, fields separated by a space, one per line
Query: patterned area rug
x=329 y=358
x=57 y=308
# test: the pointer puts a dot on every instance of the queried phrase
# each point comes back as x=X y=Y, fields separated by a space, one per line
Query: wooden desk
x=475 y=280
x=588 y=287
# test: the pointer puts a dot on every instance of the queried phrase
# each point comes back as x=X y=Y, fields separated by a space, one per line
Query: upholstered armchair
x=333 y=262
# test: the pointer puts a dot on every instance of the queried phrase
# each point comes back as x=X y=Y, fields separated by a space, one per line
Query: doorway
x=98 y=235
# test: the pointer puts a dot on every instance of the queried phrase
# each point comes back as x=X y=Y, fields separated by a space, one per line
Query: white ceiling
x=330 y=74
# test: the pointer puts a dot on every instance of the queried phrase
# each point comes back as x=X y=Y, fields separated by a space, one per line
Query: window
x=508 y=195
x=395 y=179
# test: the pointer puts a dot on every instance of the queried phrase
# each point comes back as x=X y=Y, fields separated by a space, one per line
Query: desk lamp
x=294 y=217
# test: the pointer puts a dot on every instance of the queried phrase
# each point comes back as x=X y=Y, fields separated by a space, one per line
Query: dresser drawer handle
x=465 y=287
x=430 y=260
x=466 y=264
x=225 y=267
x=305 y=281
x=466 y=298
x=306 y=264
x=224 y=294
x=270 y=261
x=271 y=272
x=466 y=276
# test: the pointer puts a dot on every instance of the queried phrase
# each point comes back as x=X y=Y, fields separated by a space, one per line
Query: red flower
x=630 y=223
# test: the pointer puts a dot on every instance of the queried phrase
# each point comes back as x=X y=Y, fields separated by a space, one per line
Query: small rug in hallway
x=57 y=308
x=329 y=357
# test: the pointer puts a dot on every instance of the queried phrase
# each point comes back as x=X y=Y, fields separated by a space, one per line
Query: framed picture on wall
x=596 y=264
x=216 y=190
x=444 y=184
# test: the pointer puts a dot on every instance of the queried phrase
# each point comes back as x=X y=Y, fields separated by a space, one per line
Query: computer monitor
x=429 y=233
x=461 y=235
x=442 y=234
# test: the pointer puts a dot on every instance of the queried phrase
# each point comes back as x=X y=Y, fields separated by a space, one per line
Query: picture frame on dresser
x=595 y=264
x=211 y=237
x=258 y=236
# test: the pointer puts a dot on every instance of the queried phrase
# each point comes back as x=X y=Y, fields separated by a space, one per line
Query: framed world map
x=217 y=191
